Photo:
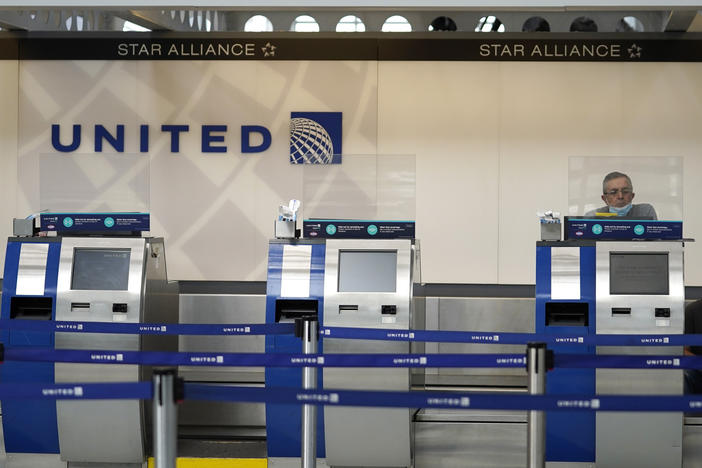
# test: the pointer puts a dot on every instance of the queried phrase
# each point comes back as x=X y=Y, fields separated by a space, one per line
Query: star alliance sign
x=552 y=50
x=223 y=48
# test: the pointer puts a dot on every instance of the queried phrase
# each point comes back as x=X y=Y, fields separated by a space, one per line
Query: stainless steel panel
x=31 y=271
x=100 y=302
x=642 y=319
x=367 y=436
x=160 y=301
x=470 y=445
x=220 y=308
x=100 y=431
x=639 y=381
x=692 y=445
x=642 y=440
x=470 y=416
x=295 y=274
x=357 y=436
x=215 y=417
x=483 y=315
x=368 y=314
x=620 y=435
x=292 y=462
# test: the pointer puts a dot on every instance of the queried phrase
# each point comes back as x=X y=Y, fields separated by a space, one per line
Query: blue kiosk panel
x=284 y=422
x=570 y=436
x=29 y=426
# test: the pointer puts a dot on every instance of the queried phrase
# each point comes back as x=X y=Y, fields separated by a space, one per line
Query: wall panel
x=491 y=140
x=8 y=149
x=446 y=114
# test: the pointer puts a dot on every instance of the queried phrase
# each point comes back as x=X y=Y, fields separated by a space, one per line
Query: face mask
x=623 y=211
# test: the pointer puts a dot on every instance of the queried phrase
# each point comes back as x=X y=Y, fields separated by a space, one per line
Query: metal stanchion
x=309 y=332
x=536 y=420
x=165 y=424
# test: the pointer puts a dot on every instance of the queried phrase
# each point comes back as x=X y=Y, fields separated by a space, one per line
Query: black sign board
x=436 y=46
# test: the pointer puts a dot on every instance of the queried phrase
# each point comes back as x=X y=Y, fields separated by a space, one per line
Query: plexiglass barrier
x=88 y=183
x=655 y=181
x=369 y=187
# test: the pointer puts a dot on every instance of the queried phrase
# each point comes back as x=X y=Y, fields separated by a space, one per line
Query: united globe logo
x=315 y=138
x=310 y=143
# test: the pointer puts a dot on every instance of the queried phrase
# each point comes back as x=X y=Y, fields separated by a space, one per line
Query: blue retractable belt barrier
x=627 y=361
x=444 y=399
x=78 y=391
x=464 y=400
x=150 y=328
x=156 y=358
x=262 y=359
x=446 y=336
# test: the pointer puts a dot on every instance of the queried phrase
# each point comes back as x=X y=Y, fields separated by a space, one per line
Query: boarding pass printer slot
x=287 y=310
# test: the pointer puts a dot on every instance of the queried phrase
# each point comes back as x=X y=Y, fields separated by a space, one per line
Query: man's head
x=617 y=190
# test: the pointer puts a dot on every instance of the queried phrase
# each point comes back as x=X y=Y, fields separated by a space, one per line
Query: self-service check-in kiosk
x=613 y=277
x=103 y=278
x=349 y=282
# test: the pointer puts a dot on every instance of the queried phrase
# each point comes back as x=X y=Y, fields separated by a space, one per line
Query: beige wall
x=8 y=148
x=491 y=140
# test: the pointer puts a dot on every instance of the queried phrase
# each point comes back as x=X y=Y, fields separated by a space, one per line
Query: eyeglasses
x=614 y=192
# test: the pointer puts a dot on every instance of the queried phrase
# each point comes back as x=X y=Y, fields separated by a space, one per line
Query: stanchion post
x=167 y=390
x=536 y=420
x=308 y=328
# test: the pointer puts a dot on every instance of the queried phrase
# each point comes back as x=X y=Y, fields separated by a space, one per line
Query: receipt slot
x=368 y=284
x=122 y=280
x=29 y=293
x=640 y=290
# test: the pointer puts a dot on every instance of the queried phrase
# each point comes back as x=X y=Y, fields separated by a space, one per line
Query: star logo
x=269 y=50
x=634 y=51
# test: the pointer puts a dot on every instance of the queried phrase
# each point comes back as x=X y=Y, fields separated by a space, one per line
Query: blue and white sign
x=622 y=229
x=357 y=229
x=315 y=137
x=94 y=222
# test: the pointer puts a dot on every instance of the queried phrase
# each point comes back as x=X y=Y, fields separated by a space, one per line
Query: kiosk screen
x=100 y=269
x=367 y=270
x=638 y=273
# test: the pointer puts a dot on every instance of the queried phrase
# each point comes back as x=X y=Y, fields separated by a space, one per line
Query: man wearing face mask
x=618 y=193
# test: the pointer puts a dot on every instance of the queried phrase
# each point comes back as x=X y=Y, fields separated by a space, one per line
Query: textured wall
x=491 y=140
x=8 y=147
